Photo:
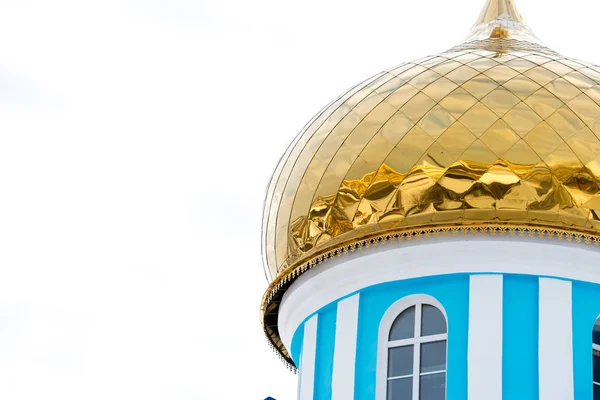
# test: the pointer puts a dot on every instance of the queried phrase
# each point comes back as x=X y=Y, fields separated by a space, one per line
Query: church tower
x=434 y=232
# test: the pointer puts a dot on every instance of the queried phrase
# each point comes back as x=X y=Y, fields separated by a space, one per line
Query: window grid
x=416 y=341
x=391 y=378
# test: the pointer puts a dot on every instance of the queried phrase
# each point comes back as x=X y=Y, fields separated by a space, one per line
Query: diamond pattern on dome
x=563 y=89
x=478 y=119
x=459 y=101
x=522 y=119
x=521 y=86
x=462 y=74
x=543 y=103
x=480 y=85
x=463 y=136
x=540 y=75
x=585 y=108
x=417 y=106
x=585 y=145
x=501 y=73
x=565 y=122
x=436 y=121
x=499 y=138
x=500 y=101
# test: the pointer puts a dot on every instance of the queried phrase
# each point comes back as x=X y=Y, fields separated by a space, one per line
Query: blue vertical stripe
x=296 y=346
x=520 y=337
x=325 y=349
x=365 y=371
x=452 y=291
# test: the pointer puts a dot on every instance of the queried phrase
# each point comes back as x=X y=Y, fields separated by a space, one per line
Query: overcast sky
x=136 y=141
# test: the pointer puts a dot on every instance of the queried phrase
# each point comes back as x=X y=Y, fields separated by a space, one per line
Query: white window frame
x=384 y=344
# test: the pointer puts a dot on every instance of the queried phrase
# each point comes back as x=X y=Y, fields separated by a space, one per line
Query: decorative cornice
x=274 y=293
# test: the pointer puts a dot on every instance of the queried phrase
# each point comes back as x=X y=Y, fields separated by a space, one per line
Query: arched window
x=412 y=359
x=596 y=360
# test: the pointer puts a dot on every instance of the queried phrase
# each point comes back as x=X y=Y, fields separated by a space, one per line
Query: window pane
x=596 y=370
x=433 y=356
x=433 y=321
x=400 y=361
x=596 y=332
x=433 y=387
x=400 y=389
x=596 y=392
x=404 y=325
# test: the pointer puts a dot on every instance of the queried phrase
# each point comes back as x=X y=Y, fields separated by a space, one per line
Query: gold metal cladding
x=460 y=137
x=272 y=297
x=497 y=130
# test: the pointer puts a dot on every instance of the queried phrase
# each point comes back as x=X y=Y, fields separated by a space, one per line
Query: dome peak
x=500 y=19
x=499 y=10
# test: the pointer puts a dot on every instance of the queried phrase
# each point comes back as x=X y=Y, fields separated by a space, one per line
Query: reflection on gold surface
x=478 y=145
x=499 y=130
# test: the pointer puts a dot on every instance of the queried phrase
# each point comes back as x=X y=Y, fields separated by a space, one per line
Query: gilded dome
x=499 y=132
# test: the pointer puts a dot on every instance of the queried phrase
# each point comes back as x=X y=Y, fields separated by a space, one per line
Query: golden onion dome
x=499 y=133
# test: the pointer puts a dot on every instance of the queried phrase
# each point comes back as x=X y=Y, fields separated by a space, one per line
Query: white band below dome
x=350 y=273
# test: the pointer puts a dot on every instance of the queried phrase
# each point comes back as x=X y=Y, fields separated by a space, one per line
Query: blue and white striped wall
x=520 y=318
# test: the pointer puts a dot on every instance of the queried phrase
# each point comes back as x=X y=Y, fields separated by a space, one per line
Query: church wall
x=452 y=291
x=520 y=335
x=528 y=335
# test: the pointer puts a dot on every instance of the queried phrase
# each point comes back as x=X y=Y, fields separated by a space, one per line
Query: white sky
x=136 y=141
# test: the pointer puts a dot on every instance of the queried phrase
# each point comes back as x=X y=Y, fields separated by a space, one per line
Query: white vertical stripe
x=555 y=340
x=485 y=338
x=307 y=362
x=344 y=356
x=416 y=391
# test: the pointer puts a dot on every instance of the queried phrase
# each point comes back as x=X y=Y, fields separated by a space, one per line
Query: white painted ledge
x=389 y=262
